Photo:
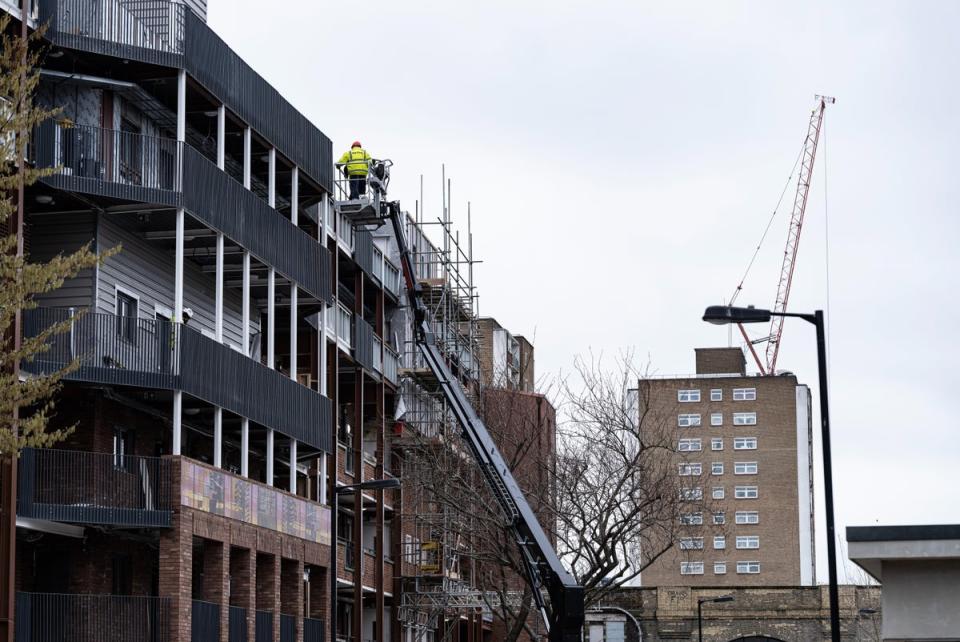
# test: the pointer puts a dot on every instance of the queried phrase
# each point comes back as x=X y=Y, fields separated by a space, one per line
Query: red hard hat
x=356 y=143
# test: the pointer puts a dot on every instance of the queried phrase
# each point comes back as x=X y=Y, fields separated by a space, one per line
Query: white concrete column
x=244 y=447
x=218 y=437
x=177 y=420
x=293 y=330
x=245 y=313
x=270 y=458
x=293 y=465
x=271 y=316
x=247 y=146
x=322 y=491
x=272 y=177
x=295 y=195
x=323 y=350
x=221 y=136
x=218 y=292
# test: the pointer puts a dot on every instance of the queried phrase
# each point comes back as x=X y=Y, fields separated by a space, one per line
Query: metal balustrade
x=151 y=353
x=156 y=25
x=263 y=626
x=237 y=624
x=391 y=363
x=288 y=628
x=377 y=354
x=363 y=337
x=57 y=617
x=205 y=622
x=344 y=325
x=94 y=488
x=314 y=630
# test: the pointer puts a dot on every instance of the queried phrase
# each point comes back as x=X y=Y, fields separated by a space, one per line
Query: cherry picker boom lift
x=564 y=612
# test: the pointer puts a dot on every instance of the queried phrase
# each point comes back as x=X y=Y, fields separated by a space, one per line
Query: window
x=745 y=492
x=745 y=468
x=123 y=449
x=691 y=494
x=716 y=419
x=690 y=445
x=716 y=394
x=716 y=468
x=744 y=443
x=719 y=542
x=748 y=567
x=691 y=568
x=744 y=419
x=716 y=443
x=748 y=541
x=685 y=421
x=718 y=492
x=719 y=518
x=719 y=568
x=691 y=543
x=688 y=396
x=691 y=519
x=744 y=394
x=748 y=517
x=126 y=316
x=690 y=469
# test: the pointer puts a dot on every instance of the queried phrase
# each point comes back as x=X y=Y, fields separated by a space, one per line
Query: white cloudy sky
x=622 y=159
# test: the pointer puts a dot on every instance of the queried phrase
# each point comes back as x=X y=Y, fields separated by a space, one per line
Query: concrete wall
x=921 y=599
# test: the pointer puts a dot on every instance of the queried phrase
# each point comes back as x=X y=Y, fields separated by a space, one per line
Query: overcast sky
x=622 y=160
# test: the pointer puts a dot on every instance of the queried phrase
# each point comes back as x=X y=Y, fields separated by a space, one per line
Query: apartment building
x=743 y=450
x=506 y=360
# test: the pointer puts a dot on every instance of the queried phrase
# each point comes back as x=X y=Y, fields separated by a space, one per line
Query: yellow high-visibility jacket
x=357 y=161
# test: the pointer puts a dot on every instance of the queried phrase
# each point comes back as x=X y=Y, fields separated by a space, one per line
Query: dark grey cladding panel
x=208 y=59
x=226 y=205
x=220 y=375
x=363 y=250
x=363 y=342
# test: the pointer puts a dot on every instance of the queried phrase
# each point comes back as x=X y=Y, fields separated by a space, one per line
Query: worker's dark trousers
x=358 y=186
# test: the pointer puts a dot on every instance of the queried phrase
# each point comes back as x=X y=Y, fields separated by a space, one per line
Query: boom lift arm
x=563 y=616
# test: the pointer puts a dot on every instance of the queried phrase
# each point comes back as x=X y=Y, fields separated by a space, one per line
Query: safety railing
x=94 y=488
x=344 y=230
x=344 y=326
x=391 y=363
x=377 y=354
x=314 y=630
x=204 y=622
x=149 y=24
x=391 y=277
x=109 y=156
x=109 y=349
x=49 y=617
x=237 y=624
x=288 y=628
x=363 y=337
x=263 y=626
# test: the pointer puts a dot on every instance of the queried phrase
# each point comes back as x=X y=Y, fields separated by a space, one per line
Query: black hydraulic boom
x=563 y=615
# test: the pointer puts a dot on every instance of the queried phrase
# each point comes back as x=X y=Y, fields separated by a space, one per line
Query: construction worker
x=355 y=165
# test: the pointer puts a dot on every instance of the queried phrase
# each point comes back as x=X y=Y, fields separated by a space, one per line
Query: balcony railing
x=377 y=354
x=288 y=628
x=94 y=488
x=386 y=272
x=363 y=336
x=237 y=624
x=344 y=326
x=391 y=362
x=263 y=626
x=205 y=622
x=110 y=162
x=344 y=230
x=153 y=354
x=313 y=630
x=166 y=32
x=53 y=617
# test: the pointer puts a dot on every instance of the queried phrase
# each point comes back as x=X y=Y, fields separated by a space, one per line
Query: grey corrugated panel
x=363 y=342
x=363 y=250
x=62 y=234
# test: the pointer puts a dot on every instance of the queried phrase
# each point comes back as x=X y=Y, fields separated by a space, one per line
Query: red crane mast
x=808 y=156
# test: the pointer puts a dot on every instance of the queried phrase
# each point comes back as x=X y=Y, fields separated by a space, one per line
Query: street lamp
x=707 y=600
x=373 y=484
x=723 y=315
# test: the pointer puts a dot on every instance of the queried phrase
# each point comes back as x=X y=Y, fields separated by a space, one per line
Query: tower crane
x=807 y=157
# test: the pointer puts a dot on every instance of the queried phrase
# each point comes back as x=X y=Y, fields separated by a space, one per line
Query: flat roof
x=902 y=533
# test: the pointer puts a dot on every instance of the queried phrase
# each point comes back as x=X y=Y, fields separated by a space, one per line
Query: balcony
x=150 y=353
x=144 y=169
x=363 y=342
x=237 y=624
x=204 y=622
x=385 y=272
x=343 y=325
x=391 y=363
x=52 y=617
x=167 y=33
x=263 y=626
x=94 y=488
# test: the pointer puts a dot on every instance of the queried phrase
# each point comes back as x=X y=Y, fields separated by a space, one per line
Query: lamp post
x=373 y=484
x=707 y=600
x=723 y=315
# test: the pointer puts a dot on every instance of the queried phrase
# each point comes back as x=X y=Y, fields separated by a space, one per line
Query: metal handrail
x=150 y=24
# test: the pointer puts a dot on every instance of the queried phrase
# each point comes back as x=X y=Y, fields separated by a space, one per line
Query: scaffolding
x=438 y=561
